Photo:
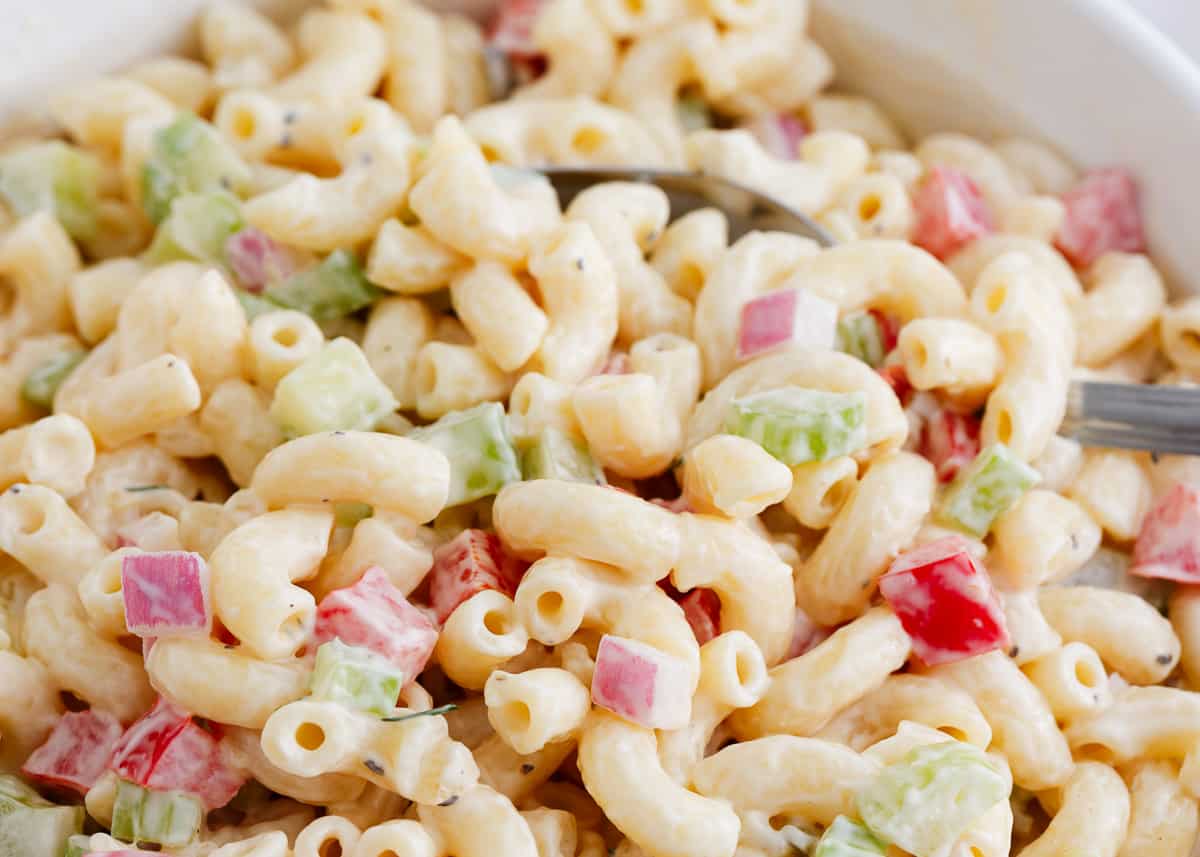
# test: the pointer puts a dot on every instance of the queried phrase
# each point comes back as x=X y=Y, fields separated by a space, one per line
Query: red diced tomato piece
x=1103 y=215
x=641 y=683
x=945 y=601
x=77 y=752
x=786 y=317
x=702 y=609
x=778 y=133
x=950 y=212
x=950 y=441
x=166 y=594
x=1168 y=546
x=374 y=614
x=168 y=751
x=472 y=561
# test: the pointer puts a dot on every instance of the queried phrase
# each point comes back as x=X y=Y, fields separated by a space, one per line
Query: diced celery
x=356 y=677
x=253 y=305
x=860 y=335
x=196 y=229
x=78 y=844
x=349 y=514
x=927 y=799
x=39 y=832
x=15 y=794
x=164 y=818
x=693 y=112
x=846 y=838
x=334 y=389
x=42 y=383
x=797 y=425
x=482 y=458
x=53 y=177
x=984 y=489
x=188 y=156
x=334 y=288
x=554 y=455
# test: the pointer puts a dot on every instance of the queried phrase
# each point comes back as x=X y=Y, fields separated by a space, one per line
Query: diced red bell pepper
x=889 y=329
x=472 y=561
x=786 y=317
x=950 y=212
x=892 y=371
x=166 y=594
x=641 y=683
x=374 y=614
x=1103 y=215
x=257 y=260
x=77 y=752
x=1168 y=547
x=945 y=601
x=950 y=441
x=779 y=133
x=166 y=750
x=702 y=609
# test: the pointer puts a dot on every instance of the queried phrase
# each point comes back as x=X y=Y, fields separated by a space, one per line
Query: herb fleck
x=138 y=489
x=450 y=801
x=374 y=767
x=441 y=709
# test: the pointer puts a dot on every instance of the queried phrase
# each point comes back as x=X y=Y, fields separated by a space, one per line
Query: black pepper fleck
x=527 y=768
x=1074 y=542
x=1154 y=457
x=339 y=433
x=1164 y=659
x=290 y=117
x=285 y=142
x=1014 y=651
x=374 y=767
x=579 y=264
x=450 y=801
x=226 y=184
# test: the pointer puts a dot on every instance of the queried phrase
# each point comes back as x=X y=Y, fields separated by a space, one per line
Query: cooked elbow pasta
x=752 y=525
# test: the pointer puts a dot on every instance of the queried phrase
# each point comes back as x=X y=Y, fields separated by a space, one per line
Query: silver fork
x=1126 y=416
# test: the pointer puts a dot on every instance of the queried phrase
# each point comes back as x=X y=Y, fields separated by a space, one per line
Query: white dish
x=1090 y=76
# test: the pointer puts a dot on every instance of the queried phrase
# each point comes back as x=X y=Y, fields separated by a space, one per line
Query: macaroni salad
x=358 y=499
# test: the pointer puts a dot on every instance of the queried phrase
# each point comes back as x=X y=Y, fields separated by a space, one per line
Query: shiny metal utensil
x=1127 y=416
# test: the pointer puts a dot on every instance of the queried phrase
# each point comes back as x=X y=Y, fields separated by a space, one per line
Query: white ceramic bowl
x=1089 y=76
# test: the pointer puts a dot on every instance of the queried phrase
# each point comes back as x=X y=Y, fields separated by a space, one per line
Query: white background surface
x=1177 y=18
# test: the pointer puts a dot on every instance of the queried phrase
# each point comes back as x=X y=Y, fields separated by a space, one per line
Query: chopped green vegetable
x=432 y=712
x=355 y=677
x=987 y=487
x=349 y=514
x=334 y=389
x=138 y=489
x=53 y=177
x=77 y=845
x=927 y=799
x=846 y=838
x=333 y=289
x=188 y=156
x=554 y=455
x=43 y=382
x=860 y=335
x=476 y=441
x=14 y=794
x=39 y=832
x=797 y=425
x=197 y=229
x=164 y=818
x=253 y=305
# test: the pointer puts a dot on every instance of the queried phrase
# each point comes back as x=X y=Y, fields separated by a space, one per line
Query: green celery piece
x=333 y=390
x=927 y=799
x=197 y=228
x=188 y=156
x=859 y=335
x=554 y=455
x=335 y=288
x=164 y=818
x=39 y=832
x=15 y=794
x=78 y=844
x=481 y=454
x=53 y=177
x=348 y=514
x=253 y=305
x=797 y=425
x=846 y=838
x=987 y=487
x=43 y=382
x=355 y=677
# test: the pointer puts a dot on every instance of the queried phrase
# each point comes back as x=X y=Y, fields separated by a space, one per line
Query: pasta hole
x=31 y=518
x=550 y=605
x=868 y=207
x=388 y=853
x=244 y=125
x=588 y=140
x=954 y=732
x=744 y=668
x=920 y=353
x=836 y=495
x=1004 y=426
x=1095 y=753
x=112 y=581
x=355 y=126
x=8 y=295
x=691 y=279
x=1190 y=339
x=490 y=153
x=286 y=336
x=516 y=716
x=496 y=622
x=310 y=736
x=996 y=298
x=976 y=851
x=427 y=377
x=1085 y=674
x=635 y=7
x=330 y=848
